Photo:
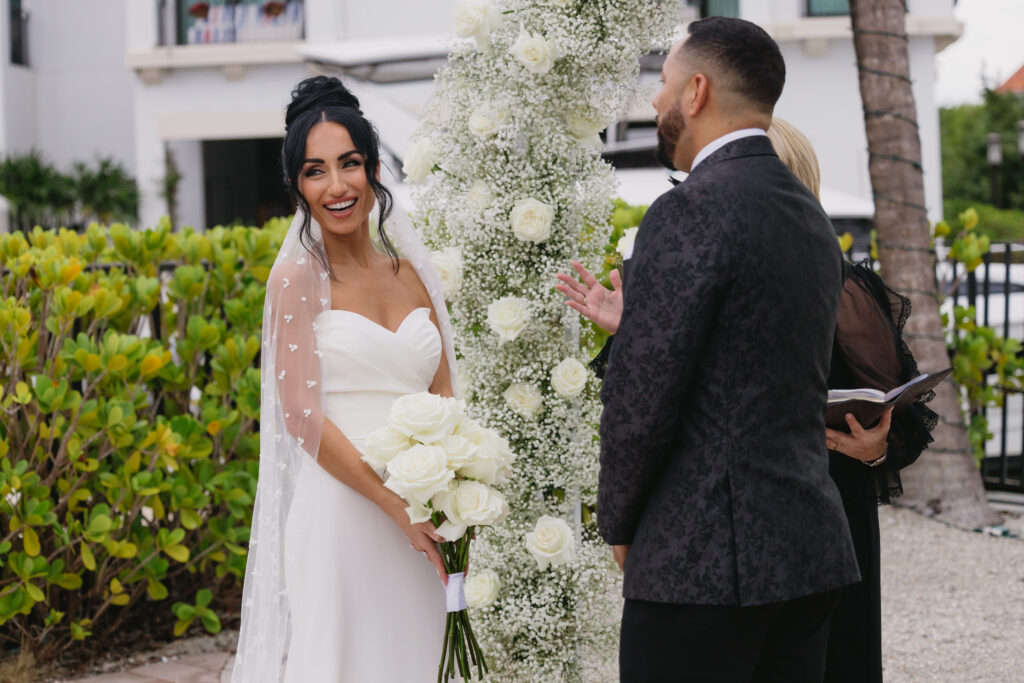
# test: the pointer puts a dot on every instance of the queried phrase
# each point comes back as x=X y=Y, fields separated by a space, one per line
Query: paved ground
x=952 y=603
x=207 y=668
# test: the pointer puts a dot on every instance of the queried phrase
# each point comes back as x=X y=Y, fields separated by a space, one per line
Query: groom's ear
x=695 y=95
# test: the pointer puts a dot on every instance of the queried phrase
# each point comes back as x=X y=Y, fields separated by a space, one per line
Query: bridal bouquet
x=444 y=464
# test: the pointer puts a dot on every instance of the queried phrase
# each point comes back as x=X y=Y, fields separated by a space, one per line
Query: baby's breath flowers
x=515 y=124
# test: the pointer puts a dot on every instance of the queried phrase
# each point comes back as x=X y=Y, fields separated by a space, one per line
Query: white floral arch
x=511 y=186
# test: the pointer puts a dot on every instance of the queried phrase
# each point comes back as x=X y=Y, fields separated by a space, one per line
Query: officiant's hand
x=619 y=553
x=861 y=444
x=591 y=299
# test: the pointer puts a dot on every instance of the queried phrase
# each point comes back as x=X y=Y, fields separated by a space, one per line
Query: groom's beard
x=669 y=129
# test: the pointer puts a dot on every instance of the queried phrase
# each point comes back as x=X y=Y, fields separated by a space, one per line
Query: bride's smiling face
x=334 y=180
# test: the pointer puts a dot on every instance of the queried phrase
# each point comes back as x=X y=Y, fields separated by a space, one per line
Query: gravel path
x=952 y=601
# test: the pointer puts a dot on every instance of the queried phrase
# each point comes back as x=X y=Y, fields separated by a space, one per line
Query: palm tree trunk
x=945 y=480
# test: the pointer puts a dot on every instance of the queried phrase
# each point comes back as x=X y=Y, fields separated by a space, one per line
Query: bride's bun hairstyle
x=318 y=100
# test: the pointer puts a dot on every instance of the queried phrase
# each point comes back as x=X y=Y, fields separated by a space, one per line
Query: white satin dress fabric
x=365 y=607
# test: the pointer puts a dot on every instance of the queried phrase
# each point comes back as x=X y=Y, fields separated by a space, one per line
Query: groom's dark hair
x=742 y=54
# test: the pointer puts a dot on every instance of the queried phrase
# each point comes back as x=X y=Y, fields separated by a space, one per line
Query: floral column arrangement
x=510 y=187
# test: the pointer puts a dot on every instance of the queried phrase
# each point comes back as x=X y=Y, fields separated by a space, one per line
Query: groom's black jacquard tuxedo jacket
x=713 y=459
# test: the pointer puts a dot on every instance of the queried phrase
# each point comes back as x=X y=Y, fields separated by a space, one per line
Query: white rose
x=585 y=127
x=524 y=399
x=507 y=317
x=448 y=263
x=481 y=588
x=560 y=3
x=383 y=445
x=569 y=377
x=490 y=460
x=460 y=451
x=471 y=503
x=486 y=119
x=419 y=160
x=551 y=542
x=531 y=220
x=424 y=416
x=534 y=53
x=480 y=195
x=625 y=244
x=476 y=19
x=417 y=513
x=418 y=474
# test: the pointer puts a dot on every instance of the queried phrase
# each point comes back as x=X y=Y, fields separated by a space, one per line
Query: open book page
x=900 y=389
x=868 y=405
x=874 y=395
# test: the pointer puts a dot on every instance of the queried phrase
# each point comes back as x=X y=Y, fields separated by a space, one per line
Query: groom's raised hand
x=619 y=553
x=591 y=299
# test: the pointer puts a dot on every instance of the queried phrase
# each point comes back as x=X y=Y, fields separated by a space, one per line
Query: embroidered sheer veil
x=291 y=422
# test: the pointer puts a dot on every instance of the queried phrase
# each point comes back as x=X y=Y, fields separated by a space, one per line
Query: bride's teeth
x=341 y=206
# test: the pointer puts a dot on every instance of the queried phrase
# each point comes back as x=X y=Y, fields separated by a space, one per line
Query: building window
x=238 y=21
x=827 y=8
x=19 y=34
x=715 y=8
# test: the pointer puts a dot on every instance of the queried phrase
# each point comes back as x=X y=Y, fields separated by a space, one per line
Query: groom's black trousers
x=783 y=642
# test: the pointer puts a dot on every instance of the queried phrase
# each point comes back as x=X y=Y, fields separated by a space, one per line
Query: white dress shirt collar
x=718 y=143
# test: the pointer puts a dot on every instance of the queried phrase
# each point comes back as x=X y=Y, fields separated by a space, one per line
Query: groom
x=714 y=486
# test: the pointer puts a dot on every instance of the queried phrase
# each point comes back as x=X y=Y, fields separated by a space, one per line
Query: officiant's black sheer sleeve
x=869 y=351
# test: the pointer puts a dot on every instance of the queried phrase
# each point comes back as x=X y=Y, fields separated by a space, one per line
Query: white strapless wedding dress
x=365 y=607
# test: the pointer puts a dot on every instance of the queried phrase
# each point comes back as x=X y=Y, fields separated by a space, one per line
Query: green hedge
x=1000 y=225
x=128 y=431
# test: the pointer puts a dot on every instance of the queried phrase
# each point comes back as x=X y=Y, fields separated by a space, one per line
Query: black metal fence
x=996 y=290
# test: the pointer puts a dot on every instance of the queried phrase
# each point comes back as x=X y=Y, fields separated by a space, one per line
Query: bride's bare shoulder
x=409 y=278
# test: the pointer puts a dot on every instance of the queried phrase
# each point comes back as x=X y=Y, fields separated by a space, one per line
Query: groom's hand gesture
x=591 y=299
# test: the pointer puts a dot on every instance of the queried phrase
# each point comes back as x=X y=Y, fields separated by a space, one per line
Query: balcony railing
x=231 y=21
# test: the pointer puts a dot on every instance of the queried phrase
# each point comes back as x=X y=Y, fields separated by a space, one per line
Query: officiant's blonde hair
x=796 y=151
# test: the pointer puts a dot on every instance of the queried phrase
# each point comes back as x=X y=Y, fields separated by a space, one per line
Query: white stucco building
x=128 y=79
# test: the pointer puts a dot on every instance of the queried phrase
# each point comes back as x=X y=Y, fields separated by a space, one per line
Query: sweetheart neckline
x=377 y=324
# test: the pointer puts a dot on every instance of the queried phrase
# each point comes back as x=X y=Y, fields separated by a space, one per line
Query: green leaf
x=35 y=592
x=210 y=621
x=156 y=590
x=203 y=597
x=178 y=552
x=87 y=557
x=31 y=541
x=181 y=626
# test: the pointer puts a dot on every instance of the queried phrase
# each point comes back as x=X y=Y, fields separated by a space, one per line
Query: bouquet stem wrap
x=460 y=651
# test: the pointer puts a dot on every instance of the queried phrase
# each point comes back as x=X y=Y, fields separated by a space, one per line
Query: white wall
x=822 y=98
x=83 y=93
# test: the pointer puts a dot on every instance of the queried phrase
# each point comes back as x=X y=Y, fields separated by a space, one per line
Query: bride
x=333 y=591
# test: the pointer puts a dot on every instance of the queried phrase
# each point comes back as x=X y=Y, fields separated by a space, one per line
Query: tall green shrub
x=129 y=400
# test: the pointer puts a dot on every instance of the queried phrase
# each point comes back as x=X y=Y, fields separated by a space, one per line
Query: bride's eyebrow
x=341 y=157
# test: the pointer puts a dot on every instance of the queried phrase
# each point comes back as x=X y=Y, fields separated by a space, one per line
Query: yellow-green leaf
x=87 y=557
x=150 y=365
x=91 y=363
x=35 y=592
x=181 y=626
x=118 y=363
x=190 y=519
x=177 y=552
x=156 y=590
x=31 y=541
